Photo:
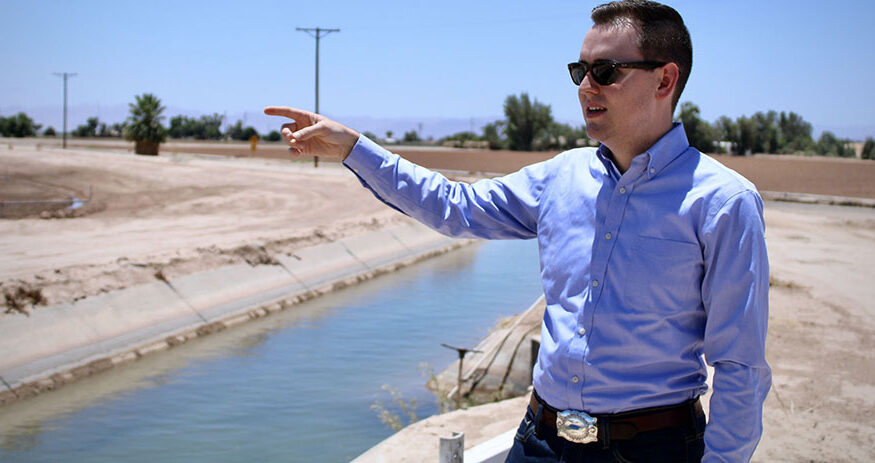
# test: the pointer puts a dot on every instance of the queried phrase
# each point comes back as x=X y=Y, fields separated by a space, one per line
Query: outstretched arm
x=499 y=208
x=314 y=135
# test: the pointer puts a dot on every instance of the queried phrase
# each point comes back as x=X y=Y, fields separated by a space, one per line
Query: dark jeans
x=540 y=444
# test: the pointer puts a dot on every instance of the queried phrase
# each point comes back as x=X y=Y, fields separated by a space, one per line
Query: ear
x=668 y=80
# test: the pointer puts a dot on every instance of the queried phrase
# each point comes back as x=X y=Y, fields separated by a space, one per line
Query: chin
x=593 y=132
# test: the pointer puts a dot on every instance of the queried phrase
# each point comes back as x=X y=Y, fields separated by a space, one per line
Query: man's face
x=616 y=114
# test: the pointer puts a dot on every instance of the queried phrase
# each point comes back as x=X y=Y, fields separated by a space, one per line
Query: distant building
x=724 y=146
x=857 y=146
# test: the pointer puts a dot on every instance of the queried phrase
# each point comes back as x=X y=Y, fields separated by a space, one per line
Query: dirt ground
x=821 y=341
x=797 y=174
x=155 y=217
x=161 y=217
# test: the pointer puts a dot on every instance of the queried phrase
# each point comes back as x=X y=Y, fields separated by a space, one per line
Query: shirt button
x=595 y=284
x=581 y=331
x=652 y=170
x=608 y=236
x=622 y=190
x=575 y=379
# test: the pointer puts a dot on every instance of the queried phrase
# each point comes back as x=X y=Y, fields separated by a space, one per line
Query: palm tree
x=144 y=125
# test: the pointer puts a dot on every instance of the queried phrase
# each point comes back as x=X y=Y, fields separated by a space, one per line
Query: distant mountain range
x=435 y=127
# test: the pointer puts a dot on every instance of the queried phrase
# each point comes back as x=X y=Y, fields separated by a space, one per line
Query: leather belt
x=626 y=425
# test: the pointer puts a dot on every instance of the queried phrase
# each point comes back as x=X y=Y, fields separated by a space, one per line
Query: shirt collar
x=667 y=149
x=664 y=151
x=607 y=158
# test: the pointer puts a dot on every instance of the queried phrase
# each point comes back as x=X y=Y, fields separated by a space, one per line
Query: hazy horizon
x=435 y=127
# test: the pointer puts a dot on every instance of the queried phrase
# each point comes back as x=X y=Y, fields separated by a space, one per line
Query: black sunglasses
x=604 y=71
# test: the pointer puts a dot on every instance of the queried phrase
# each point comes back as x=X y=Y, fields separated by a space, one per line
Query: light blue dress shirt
x=643 y=273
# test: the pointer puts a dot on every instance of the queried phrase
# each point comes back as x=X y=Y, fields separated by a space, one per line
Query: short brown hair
x=662 y=35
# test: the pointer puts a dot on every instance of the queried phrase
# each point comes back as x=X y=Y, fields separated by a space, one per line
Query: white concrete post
x=452 y=449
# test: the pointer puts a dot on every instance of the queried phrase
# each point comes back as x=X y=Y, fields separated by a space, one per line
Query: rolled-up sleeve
x=500 y=208
x=735 y=293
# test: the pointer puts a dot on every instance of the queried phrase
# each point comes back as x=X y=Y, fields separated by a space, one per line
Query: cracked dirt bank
x=164 y=217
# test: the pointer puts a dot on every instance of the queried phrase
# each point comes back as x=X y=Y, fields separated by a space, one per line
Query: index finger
x=291 y=113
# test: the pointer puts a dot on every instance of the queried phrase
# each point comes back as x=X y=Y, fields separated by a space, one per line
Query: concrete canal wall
x=58 y=344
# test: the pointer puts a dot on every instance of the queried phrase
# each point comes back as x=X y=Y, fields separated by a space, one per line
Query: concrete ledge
x=375 y=249
x=56 y=336
x=58 y=344
x=415 y=236
x=205 y=290
x=44 y=333
x=494 y=450
x=482 y=425
x=322 y=265
x=817 y=199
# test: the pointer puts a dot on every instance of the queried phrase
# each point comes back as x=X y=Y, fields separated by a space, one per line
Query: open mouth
x=594 y=110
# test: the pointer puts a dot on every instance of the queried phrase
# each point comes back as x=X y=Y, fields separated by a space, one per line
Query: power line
x=65 y=75
x=317 y=33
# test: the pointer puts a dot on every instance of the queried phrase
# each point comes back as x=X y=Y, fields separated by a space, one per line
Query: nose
x=587 y=85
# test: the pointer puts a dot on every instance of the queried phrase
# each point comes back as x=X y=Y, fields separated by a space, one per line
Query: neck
x=625 y=152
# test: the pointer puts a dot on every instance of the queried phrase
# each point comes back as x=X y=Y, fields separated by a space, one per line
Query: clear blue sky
x=418 y=59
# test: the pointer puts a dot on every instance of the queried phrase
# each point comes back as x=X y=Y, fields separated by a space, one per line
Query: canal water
x=295 y=386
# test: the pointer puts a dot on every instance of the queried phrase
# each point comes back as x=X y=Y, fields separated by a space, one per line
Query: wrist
x=351 y=138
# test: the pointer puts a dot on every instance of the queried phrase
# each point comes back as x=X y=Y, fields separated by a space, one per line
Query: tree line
x=19 y=125
x=528 y=125
x=181 y=127
x=764 y=132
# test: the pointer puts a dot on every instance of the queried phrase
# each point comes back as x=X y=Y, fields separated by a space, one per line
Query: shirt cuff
x=365 y=156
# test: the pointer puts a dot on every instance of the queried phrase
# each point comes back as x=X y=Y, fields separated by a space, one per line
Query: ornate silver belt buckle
x=577 y=427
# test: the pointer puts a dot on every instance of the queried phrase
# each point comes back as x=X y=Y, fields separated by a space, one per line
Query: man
x=652 y=255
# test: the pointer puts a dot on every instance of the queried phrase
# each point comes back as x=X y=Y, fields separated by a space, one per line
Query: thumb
x=309 y=132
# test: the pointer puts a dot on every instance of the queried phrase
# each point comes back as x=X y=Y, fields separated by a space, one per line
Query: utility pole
x=318 y=33
x=65 y=75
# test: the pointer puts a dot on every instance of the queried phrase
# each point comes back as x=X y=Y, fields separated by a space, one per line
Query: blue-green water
x=295 y=386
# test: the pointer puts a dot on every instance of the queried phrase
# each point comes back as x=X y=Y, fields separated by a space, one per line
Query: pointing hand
x=314 y=135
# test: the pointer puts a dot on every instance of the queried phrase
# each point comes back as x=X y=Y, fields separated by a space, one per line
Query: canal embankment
x=62 y=343
x=173 y=247
x=279 y=387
